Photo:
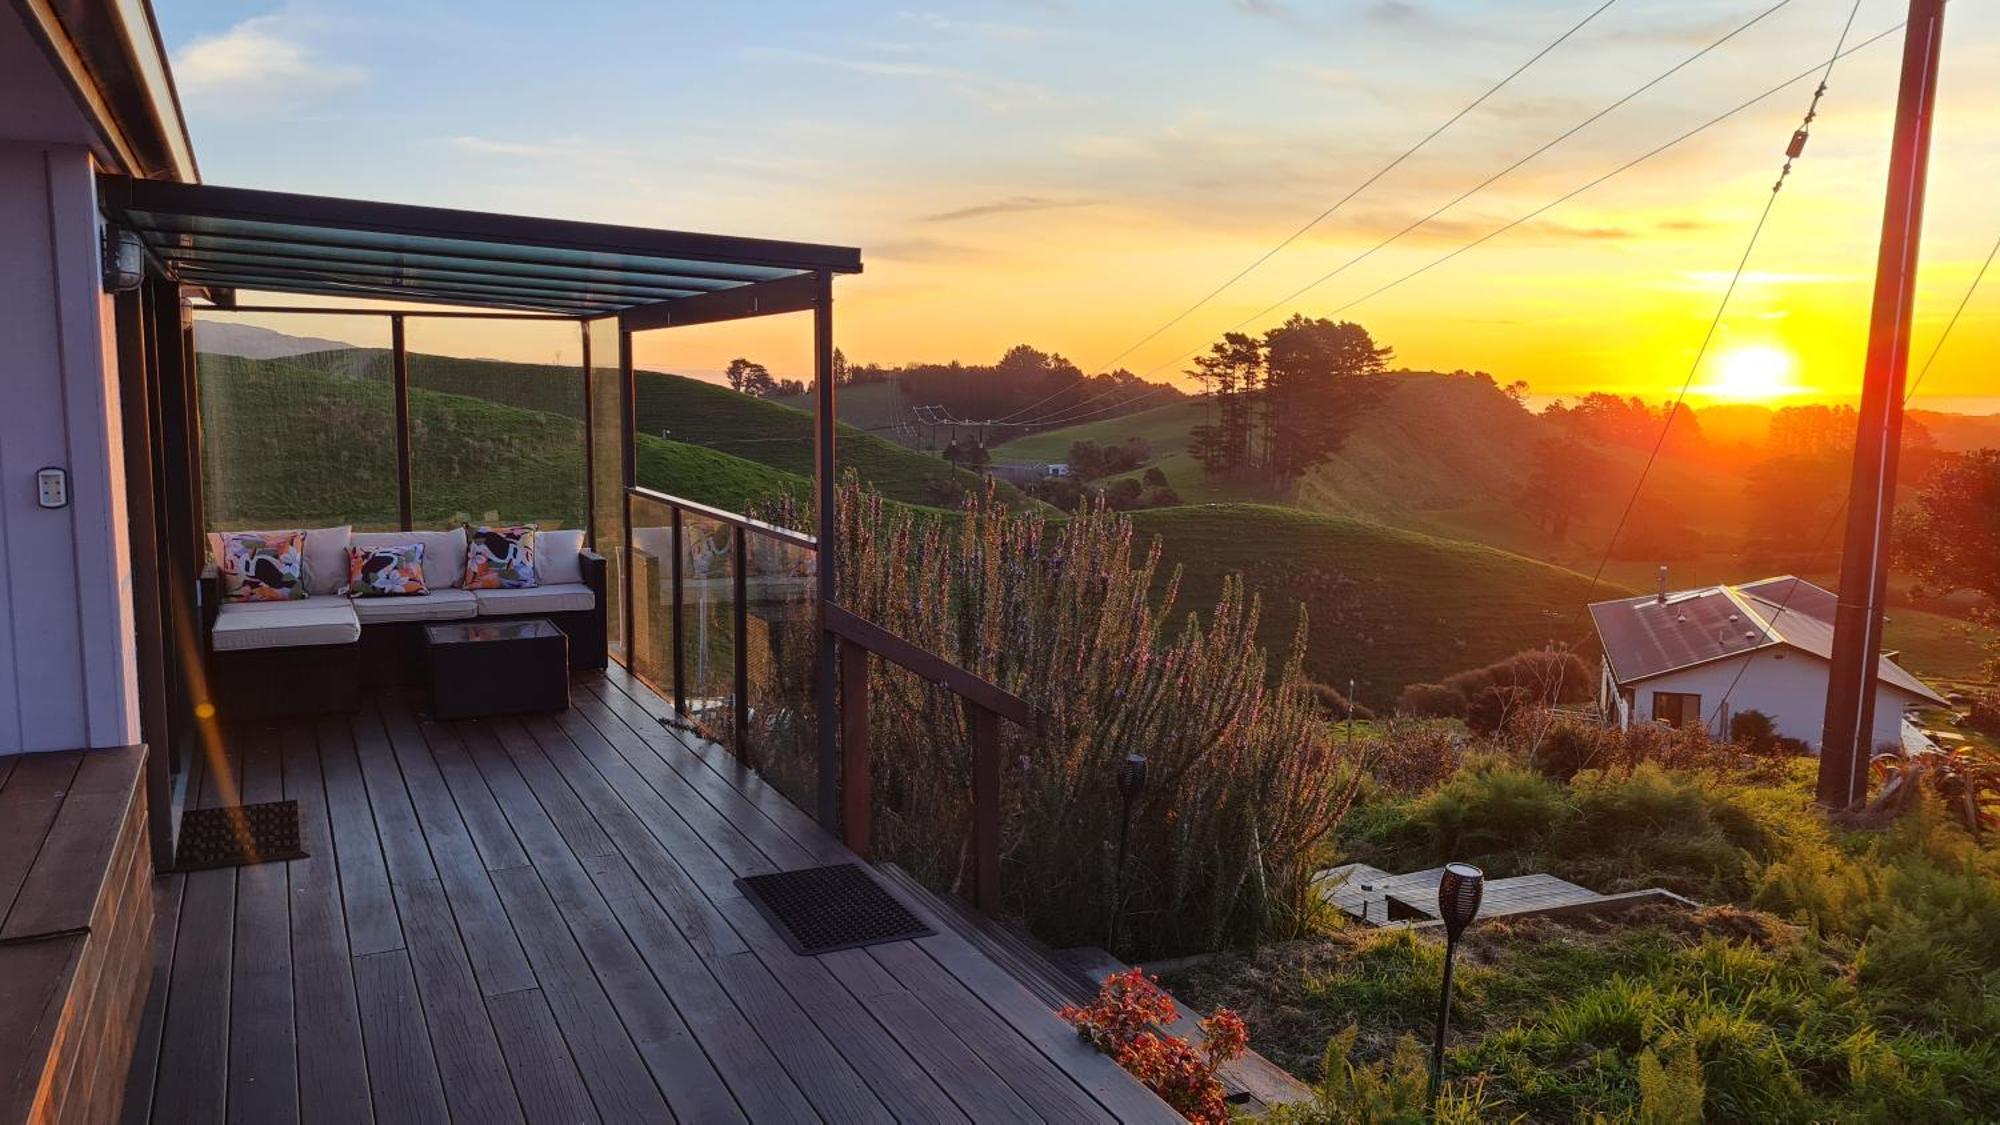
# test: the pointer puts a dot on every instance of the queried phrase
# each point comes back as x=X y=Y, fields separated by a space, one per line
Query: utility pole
x=1846 y=740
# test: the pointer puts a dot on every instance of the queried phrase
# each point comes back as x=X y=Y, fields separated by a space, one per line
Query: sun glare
x=1757 y=373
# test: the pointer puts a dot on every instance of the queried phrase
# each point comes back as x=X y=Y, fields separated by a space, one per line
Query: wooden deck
x=536 y=920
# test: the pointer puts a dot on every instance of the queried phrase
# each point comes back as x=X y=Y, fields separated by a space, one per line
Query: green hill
x=1386 y=607
x=310 y=438
x=753 y=429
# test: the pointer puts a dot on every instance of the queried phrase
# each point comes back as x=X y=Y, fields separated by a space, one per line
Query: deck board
x=537 y=920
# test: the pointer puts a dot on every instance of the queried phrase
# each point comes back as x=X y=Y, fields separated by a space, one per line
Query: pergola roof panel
x=228 y=238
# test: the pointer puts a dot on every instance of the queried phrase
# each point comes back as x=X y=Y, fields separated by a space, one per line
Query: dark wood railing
x=985 y=704
x=855 y=639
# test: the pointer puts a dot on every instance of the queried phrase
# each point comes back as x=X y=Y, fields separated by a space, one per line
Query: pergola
x=402 y=262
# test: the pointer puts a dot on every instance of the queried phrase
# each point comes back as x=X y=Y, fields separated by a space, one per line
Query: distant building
x=1058 y=469
x=1702 y=656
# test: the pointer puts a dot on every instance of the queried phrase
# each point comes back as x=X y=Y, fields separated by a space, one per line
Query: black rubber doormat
x=823 y=909
x=238 y=835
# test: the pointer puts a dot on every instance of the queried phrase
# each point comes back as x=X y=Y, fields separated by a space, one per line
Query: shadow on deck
x=507 y=920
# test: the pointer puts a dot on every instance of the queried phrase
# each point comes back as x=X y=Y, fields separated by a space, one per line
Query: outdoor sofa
x=315 y=655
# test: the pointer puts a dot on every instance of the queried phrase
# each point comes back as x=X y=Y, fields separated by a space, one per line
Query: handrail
x=985 y=704
x=929 y=665
x=723 y=515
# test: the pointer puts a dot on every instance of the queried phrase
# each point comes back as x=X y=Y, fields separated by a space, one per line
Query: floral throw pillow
x=383 y=572
x=500 y=558
x=263 y=566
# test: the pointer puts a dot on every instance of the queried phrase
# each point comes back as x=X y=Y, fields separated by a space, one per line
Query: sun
x=1754 y=373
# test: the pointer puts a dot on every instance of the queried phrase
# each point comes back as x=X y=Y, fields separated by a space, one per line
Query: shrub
x=1408 y=756
x=1492 y=810
x=1122 y=1023
x=1984 y=714
x=1566 y=747
x=1246 y=781
x=1754 y=731
x=1434 y=701
x=1334 y=703
x=1154 y=478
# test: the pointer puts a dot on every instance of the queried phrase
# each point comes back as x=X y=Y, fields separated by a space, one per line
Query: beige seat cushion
x=438 y=605
x=242 y=626
x=444 y=553
x=566 y=597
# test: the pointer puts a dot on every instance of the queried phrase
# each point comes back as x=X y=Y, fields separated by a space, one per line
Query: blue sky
x=1071 y=174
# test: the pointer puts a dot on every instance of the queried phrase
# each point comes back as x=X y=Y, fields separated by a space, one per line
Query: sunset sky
x=1073 y=174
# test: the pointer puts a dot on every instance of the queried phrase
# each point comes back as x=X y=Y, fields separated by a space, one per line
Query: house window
x=1677 y=708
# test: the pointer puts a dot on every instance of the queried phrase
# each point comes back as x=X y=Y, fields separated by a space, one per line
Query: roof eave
x=110 y=56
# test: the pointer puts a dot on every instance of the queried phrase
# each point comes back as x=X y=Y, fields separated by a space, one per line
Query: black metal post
x=828 y=524
x=135 y=409
x=1444 y=1021
x=742 y=624
x=1131 y=782
x=589 y=443
x=674 y=625
x=399 y=364
x=629 y=472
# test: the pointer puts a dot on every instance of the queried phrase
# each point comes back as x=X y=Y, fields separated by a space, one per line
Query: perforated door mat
x=823 y=909
x=238 y=835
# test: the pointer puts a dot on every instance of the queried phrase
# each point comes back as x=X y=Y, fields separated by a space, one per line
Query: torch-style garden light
x=1459 y=892
x=1131 y=782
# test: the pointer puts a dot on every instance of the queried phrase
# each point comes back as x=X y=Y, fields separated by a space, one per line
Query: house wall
x=67 y=660
x=1788 y=685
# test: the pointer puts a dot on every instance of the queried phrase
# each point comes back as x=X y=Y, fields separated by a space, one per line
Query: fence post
x=985 y=807
x=857 y=779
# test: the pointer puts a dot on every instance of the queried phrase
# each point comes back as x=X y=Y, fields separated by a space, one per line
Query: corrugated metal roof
x=1644 y=637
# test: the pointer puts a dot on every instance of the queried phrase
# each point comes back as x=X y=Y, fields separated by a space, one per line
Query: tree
x=842 y=375
x=1564 y=468
x=743 y=375
x=1318 y=376
x=1950 y=539
x=1231 y=372
x=758 y=382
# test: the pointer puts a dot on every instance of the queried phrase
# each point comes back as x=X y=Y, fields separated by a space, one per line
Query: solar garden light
x=1459 y=892
x=1131 y=782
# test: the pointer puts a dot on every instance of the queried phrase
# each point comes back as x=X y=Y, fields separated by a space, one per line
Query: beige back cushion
x=444 y=553
x=325 y=556
x=559 y=556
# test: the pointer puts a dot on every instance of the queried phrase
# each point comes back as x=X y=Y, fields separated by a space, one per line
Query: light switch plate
x=52 y=488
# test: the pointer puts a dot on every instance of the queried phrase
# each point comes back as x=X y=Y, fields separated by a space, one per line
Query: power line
x=1062 y=415
x=1367 y=183
x=1337 y=204
x=1792 y=153
x=1834 y=522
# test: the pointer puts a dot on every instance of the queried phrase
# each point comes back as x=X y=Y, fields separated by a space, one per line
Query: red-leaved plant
x=1122 y=1022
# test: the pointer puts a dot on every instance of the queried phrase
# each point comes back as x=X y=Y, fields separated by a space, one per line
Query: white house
x=1705 y=655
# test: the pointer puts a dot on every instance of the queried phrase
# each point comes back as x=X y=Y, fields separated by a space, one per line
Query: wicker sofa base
x=283 y=683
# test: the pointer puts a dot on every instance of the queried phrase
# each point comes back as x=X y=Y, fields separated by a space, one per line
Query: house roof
x=1645 y=636
x=222 y=239
x=108 y=53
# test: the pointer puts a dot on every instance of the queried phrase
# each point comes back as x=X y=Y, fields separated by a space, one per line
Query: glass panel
x=651 y=654
x=708 y=626
x=780 y=639
x=607 y=467
x=722 y=415
x=298 y=430
x=496 y=422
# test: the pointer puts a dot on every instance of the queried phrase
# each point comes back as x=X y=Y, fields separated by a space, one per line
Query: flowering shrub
x=1122 y=1022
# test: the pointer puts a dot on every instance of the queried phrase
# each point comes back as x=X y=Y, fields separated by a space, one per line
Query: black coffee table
x=511 y=666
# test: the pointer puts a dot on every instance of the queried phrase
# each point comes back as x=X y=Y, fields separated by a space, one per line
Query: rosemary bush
x=1244 y=781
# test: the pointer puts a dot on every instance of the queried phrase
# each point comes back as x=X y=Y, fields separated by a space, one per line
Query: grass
x=1836 y=976
x=310 y=439
x=1386 y=607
